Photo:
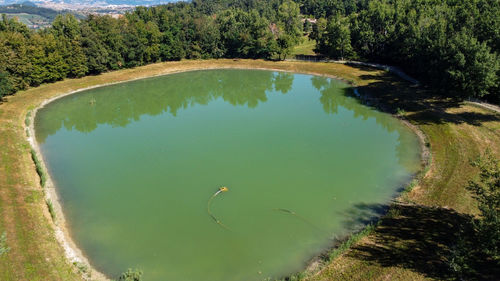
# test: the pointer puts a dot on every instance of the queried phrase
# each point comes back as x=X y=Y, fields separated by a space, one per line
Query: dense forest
x=452 y=45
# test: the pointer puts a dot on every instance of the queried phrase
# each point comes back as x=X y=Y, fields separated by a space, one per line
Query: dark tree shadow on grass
x=391 y=94
x=435 y=242
x=423 y=239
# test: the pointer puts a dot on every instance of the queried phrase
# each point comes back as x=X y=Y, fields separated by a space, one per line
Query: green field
x=31 y=20
x=306 y=47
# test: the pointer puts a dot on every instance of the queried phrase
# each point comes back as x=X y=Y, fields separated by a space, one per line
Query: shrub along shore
x=413 y=241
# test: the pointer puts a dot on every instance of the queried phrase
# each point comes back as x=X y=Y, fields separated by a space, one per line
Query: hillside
x=94 y=3
x=32 y=16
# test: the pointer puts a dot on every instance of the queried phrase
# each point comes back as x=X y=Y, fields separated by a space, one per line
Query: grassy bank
x=306 y=47
x=416 y=238
x=456 y=132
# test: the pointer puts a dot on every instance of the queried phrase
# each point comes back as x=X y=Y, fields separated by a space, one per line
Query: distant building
x=310 y=20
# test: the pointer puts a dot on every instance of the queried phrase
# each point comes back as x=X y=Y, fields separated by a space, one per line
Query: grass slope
x=306 y=47
x=415 y=239
x=30 y=20
x=410 y=243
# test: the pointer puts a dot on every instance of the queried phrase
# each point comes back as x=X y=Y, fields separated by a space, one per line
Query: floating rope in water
x=290 y=212
x=286 y=211
x=220 y=190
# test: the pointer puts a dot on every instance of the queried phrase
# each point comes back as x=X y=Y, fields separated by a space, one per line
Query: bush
x=131 y=275
x=51 y=210
x=27 y=119
x=3 y=244
x=39 y=169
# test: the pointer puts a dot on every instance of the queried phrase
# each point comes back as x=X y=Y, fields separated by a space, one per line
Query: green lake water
x=136 y=163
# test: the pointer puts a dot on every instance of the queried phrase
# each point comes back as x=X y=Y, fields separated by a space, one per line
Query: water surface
x=135 y=164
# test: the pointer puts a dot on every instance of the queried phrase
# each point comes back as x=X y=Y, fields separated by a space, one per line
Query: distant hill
x=29 y=9
x=32 y=9
x=28 y=3
x=31 y=15
x=94 y=3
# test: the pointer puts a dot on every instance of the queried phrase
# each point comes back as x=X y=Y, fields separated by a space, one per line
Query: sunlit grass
x=306 y=47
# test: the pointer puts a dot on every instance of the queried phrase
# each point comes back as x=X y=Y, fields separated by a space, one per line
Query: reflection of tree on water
x=118 y=105
x=283 y=82
x=331 y=100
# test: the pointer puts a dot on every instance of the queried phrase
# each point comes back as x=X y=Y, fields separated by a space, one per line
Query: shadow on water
x=332 y=102
x=419 y=238
x=425 y=106
x=362 y=214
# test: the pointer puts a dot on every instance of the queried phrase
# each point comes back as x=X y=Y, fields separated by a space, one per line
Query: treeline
x=73 y=48
x=451 y=45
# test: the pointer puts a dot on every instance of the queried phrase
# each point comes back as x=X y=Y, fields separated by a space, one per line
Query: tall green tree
x=472 y=68
x=110 y=32
x=14 y=57
x=171 y=43
x=246 y=34
x=289 y=32
x=94 y=49
x=66 y=30
x=486 y=190
x=6 y=87
x=336 y=39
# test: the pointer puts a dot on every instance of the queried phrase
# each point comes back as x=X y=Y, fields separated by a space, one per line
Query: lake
x=136 y=166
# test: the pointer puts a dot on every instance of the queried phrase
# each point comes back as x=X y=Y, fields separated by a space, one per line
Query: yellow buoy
x=220 y=190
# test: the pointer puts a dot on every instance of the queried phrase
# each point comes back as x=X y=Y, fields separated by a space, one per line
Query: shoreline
x=62 y=232
x=317 y=263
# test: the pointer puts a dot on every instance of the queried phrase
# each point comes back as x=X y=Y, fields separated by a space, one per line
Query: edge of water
x=61 y=230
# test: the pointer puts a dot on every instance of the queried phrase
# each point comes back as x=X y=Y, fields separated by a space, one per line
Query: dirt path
x=491 y=107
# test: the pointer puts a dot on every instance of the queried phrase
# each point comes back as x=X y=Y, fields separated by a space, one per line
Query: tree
x=246 y=34
x=285 y=44
x=207 y=37
x=486 y=191
x=66 y=30
x=110 y=32
x=47 y=61
x=336 y=40
x=374 y=28
x=318 y=30
x=472 y=68
x=131 y=275
x=289 y=28
x=171 y=43
x=307 y=27
x=6 y=87
x=94 y=49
